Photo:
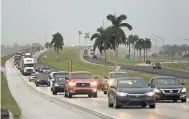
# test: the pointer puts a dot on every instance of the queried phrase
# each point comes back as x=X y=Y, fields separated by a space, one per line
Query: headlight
x=156 y=90
x=94 y=83
x=56 y=84
x=150 y=93
x=122 y=94
x=71 y=84
x=183 y=90
x=37 y=79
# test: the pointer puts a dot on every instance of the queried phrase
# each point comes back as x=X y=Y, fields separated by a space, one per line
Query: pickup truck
x=79 y=83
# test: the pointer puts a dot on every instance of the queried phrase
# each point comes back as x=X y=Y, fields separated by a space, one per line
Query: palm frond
x=95 y=35
x=121 y=18
x=126 y=25
x=112 y=18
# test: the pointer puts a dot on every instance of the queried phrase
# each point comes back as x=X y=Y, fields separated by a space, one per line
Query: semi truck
x=27 y=65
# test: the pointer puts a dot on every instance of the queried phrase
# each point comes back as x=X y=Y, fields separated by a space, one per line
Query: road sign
x=127 y=57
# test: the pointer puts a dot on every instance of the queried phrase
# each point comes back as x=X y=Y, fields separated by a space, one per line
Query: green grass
x=177 y=66
x=7 y=101
x=79 y=65
x=5 y=58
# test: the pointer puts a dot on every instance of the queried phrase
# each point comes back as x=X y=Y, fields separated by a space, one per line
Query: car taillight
x=71 y=84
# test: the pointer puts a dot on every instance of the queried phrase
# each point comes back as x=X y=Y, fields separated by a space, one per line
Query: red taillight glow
x=71 y=84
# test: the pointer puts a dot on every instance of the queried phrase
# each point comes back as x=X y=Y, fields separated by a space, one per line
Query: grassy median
x=79 y=65
x=7 y=101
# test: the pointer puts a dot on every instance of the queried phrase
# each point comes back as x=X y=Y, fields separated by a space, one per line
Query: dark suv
x=57 y=85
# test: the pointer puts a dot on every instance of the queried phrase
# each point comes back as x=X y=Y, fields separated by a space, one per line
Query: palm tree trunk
x=144 y=54
x=140 y=54
x=116 y=49
x=105 y=61
x=56 y=54
x=58 y=57
x=129 y=49
x=134 y=53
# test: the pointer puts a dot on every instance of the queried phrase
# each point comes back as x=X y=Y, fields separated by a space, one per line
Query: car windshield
x=117 y=75
x=133 y=83
x=60 y=75
x=28 y=65
x=166 y=81
x=59 y=80
x=81 y=76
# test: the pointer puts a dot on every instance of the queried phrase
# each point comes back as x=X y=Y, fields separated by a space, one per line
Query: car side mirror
x=66 y=78
x=182 y=83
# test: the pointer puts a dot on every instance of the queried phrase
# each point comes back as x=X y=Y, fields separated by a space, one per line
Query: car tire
x=37 y=85
x=69 y=95
x=183 y=100
x=65 y=94
x=95 y=95
x=29 y=80
x=54 y=92
x=110 y=105
x=143 y=105
x=90 y=95
x=152 y=106
x=105 y=92
x=115 y=105
x=48 y=85
x=51 y=89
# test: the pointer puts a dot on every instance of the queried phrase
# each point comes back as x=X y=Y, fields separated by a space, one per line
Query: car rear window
x=81 y=76
x=132 y=83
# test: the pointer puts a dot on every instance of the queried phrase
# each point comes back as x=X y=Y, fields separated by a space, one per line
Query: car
x=46 y=70
x=80 y=83
x=99 y=79
x=33 y=77
x=148 y=62
x=131 y=91
x=58 y=74
x=42 y=79
x=156 y=65
x=168 y=88
x=111 y=76
x=57 y=85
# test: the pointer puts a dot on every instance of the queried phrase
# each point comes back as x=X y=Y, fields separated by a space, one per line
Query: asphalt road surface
x=169 y=72
x=163 y=110
x=35 y=106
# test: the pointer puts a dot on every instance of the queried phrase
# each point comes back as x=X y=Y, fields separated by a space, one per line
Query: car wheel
x=37 y=85
x=110 y=104
x=65 y=94
x=105 y=92
x=51 y=89
x=69 y=95
x=152 y=106
x=48 y=85
x=183 y=100
x=144 y=105
x=115 y=105
x=90 y=95
x=29 y=80
x=95 y=95
x=54 y=92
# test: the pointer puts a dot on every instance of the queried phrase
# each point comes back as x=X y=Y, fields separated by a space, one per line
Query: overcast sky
x=27 y=21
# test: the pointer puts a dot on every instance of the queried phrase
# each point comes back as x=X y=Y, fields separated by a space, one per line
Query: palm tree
x=100 y=42
x=131 y=40
x=148 y=45
x=80 y=32
x=115 y=31
x=58 y=43
x=138 y=45
x=86 y=37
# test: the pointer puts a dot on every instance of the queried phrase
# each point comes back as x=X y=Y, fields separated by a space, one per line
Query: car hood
x=135 y=90
x=169 y=87
x=82 y=80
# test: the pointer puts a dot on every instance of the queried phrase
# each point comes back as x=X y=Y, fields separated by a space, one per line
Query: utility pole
x=163 y=44
x=156 y=44
x=80 y=32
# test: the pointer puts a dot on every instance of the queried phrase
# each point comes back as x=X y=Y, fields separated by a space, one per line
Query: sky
x=28 y=21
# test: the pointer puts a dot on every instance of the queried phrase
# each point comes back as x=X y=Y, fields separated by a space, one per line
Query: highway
x=35 y=105
x=163 y=110
x=176 y=73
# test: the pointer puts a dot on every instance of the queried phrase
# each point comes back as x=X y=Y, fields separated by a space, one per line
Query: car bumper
x=171 y=96
x=136 y=101
x=43 y=82
x=82 y=91
x=59 y=89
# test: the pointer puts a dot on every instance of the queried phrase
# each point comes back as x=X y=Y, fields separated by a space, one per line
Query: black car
x=157 y=65
x=148 y=62
x=131 y=91
x=168 y=88
x=57 y=85
x=42 y=79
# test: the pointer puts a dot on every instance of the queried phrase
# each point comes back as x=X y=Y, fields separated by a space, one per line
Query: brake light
x=71 y=84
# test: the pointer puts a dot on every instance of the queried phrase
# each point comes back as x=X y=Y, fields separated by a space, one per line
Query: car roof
x=78 y=72
x=43 y=76
x=129 y=78
x=157 y=77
